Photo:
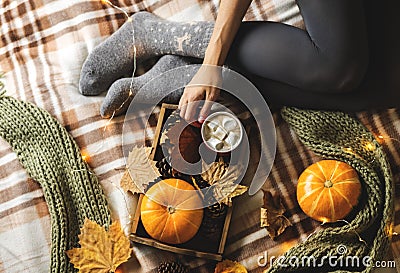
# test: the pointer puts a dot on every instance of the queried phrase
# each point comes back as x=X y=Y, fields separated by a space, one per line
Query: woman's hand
x=200 y=93
x=203 y=85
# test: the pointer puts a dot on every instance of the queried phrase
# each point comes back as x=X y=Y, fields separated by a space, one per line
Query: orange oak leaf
x=101 y=251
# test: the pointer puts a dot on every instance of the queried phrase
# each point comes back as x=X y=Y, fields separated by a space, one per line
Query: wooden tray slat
x=185 y=251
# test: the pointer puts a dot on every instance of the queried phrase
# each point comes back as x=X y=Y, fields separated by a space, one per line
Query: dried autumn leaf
x=272 y=217
x=100 y=251
x=231 y=192
x=228 y=266
x=214 y=171
x=224 y=181
x=127 y=183
x=140 y=170
x=164 y=137
x=172 y=120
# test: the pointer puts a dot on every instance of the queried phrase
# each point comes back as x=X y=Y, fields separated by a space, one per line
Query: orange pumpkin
x=170 y=211
x=328 y=190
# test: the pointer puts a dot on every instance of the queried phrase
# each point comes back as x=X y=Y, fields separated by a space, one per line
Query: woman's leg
x=122 y=91
x=154 y=36
x=330 y=56
x=279 y=94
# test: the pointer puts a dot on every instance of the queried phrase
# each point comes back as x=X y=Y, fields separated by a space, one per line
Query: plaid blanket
x=42 y=47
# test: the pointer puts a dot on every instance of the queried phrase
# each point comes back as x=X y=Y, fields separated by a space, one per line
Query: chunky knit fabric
x=52 y=158
x=335 y=135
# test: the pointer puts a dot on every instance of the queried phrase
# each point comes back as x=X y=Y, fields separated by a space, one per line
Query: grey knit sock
x=113 y=59
x=118 y=99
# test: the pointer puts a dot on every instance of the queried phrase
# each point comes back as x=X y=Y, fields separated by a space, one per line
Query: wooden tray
x=199 y=246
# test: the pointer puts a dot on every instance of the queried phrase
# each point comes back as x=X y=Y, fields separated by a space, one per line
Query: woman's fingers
x=191 y=111
x=190 y=104
x=202 y=88
x=182 y=105
x=211 y=96
x=193 y=95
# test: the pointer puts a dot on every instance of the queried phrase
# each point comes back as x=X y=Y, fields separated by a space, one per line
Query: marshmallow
x=220 y=133
x=229 y=124
x=212 y=125
x=232 y=138
x=227 y=146
x=215 y=143
x=207 y=133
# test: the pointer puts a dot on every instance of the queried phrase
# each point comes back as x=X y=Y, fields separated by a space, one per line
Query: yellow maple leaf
x=229 y=192
x=127 y=184
x=140 y=170
x=224 y=178
x=213 y=172
x=228 y=266
x=101 y=251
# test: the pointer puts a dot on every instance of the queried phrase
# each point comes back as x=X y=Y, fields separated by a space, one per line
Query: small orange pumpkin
x=170 y=211
x=328 y=190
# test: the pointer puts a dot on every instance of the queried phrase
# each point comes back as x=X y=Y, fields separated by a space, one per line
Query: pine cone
x=173 y=119
x=172 y=267
x=216 y=211
x=207 y=191
x=213 y=221
x=164 y=168
x=200 y=182
x=211 y=228
x=167 y=171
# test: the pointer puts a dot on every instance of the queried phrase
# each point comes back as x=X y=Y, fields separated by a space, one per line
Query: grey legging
x=346 y=58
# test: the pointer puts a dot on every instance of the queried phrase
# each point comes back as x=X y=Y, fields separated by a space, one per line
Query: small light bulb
x=85 y=156
x=380 y=139
x=369 y=146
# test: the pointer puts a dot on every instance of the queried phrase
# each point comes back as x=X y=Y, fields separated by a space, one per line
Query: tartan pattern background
x=42 y=47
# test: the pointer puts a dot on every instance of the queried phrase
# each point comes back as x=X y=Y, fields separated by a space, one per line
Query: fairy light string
x=382 y=140
x=340 y=220
x=130 y=94
x=85 y=156
x=130 y=20
x=368 y=146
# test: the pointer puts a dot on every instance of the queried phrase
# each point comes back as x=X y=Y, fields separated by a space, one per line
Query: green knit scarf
x=51 y=157
x=335 y=135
